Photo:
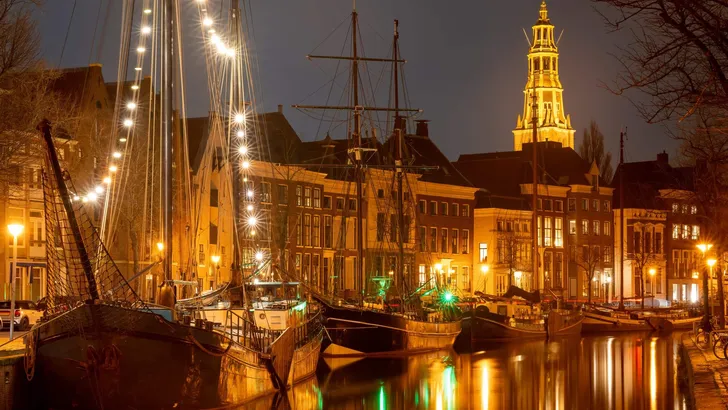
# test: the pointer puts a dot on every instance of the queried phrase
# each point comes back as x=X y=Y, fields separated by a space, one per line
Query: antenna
x=528 y=40
x=560 y=35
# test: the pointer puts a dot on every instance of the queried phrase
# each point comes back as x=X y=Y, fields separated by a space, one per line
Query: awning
x=32 y=264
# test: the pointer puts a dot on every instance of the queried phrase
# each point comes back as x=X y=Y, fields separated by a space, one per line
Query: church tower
x=543 y=79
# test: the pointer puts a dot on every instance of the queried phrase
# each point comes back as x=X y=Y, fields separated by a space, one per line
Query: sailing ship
x=378 y=322
x=507 y=318
x=114 y=350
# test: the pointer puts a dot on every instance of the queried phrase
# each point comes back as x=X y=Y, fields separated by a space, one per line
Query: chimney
x=663 y=158
x=422 y=129
x=280 y=108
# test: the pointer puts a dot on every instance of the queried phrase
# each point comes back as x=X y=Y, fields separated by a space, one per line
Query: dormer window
x=595 y=182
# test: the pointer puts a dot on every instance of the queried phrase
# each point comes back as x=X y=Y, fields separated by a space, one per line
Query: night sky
x=466 y=62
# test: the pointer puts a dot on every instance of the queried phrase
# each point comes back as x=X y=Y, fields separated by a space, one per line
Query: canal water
x=621 y=371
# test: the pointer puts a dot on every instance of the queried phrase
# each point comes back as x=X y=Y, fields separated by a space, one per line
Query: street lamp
x=215 y=261
x=485 y=268
x=15 y=230
x=705 y=247
x=652 y=283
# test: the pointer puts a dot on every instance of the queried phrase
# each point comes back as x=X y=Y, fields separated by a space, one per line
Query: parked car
x=26 y=314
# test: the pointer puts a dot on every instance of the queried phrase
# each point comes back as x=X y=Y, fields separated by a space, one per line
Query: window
x=466 y=241
x=443 y=240
x=558 y=232
x=595 y=205
x=500 y=250
x=501 y=282
x=422 y=207
x=465 y=280
x=685 y=231
x=213 y=234
x=422 y=238
x=559 y=206
x=433 y=240
x=572 y=204
x=265 y=192
x=585 y=227
x=648 y=242
x=572 y=227
x=548 y=205
x=327 y=202
x=547 y=231
x=605 y=206
x=595 y=229
x=693 y=209
x=684 y=208
x=299 y=195
x=538 y=227
x=380 y=193
x=675 y=207
x=201 y=253
x=539 y=204
x=525 y=227
x=696 y=233
x=306 y=266
x=307 y=230
x=454 y=209
x=443 y=208
x=607 y=228
x=509 y=226
x=352 y=204
x=499 y=226
x=339 y=204
x=558 y=269
x=607 y=256
x=380 y=226
x=421 y=275
x=316 y=231
x=466 y=210
x=282 y=194
x=584 y=204
x=658 y=243
x=433 y=208
x=299 y=232
x=483 y=252
x=316 y=198
x=214 y=197
x=675 y=231
x=454 y=238
x=637 y=245
x=328 y=232
x=307 y=197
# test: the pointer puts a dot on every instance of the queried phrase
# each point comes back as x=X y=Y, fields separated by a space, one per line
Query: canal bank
x=705 y=375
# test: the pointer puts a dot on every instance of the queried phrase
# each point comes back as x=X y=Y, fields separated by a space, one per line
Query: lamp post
x=719 y=295
x=15 y=230
x=216 y=261
x=705 y=247
x=485 y=268
x=652 y=285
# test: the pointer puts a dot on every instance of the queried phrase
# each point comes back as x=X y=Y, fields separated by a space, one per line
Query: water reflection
x=635 y=371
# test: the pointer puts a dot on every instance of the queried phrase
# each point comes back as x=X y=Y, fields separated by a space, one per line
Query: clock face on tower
x=543 y=93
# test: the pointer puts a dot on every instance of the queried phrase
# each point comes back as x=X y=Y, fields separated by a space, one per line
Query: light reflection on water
x=628 y=371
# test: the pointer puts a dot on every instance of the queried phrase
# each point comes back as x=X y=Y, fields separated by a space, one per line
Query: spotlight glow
x=134 y=87
x=147 y=11
x=131 y=105
x=207 y=22
x=99 y=189
x=116 y=154
x=240 y=133
x=259 y=256
x=113 y=168
x=239 y=118
x=141 y=49
x=84 y=199
x=146 y=30
x=215 y=39
x=138 y=68
x=107 y=180
x=249 y=208
x=92 y=196
x=246 y=164
x=128 y=122
x=122 y=139
x=250 y=193
x=76 y=198
x=243 y=150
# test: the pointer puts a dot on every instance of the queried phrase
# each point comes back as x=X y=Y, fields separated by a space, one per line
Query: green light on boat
x=448 y=297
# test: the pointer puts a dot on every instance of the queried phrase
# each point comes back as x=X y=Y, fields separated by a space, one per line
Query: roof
x=643 y=181
x=501 y=174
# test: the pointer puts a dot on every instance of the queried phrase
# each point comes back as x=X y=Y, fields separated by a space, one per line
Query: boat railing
x=246 y=333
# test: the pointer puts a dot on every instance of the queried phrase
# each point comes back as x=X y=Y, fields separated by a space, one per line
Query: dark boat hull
x=358 y=332
x=477 y=328
x=596 y=323
x=100 y=356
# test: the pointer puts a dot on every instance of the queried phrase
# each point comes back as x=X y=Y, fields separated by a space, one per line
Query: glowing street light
x=484 y=269
x=15 y=230
x=92 y=196
x=107 y=180
x=711 y=262
x=246 y=164
x=215 y=259
x=116 y=155
x=128 y=122
x=207 y=22
x=252 y=221
x=704 y=247
x=99 y=189
x=240 y=133
x=113 y=168
x=131 y=105
x=160 y=246
x=259 y=256
x=239 y=118
x=249 y=207
x=146 y=30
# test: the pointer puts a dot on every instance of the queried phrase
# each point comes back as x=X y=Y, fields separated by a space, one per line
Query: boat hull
x=100 y=356
x=483 y=329
x=305 y=360
x=355 y=332
x=595 y=323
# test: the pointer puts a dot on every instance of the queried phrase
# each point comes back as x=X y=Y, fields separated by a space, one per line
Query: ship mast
x=621 y=220
x=168 y=17
x=398 y=162
x=534 y=165
x=356 y=150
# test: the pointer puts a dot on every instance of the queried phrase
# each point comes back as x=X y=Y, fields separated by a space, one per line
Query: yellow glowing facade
x=543 y=79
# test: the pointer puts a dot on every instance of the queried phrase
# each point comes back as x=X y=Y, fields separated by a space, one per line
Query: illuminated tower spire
x=543 y=78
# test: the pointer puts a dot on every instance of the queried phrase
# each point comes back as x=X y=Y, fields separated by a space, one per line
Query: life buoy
x=261 y=316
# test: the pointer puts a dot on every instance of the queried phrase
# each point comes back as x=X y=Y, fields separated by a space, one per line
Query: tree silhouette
x=591 y=149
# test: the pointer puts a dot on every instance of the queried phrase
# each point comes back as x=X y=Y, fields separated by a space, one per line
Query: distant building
x=662 y=226
x=574 y=222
